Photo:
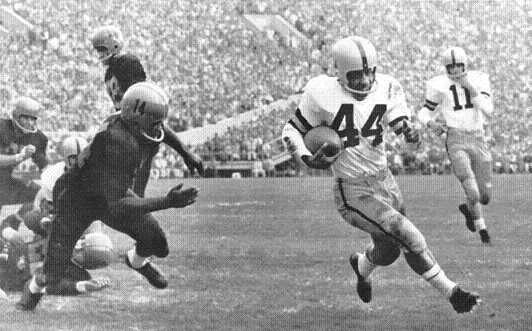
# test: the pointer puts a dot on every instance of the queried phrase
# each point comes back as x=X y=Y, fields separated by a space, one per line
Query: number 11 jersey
x=360 y=124
x=454 y=101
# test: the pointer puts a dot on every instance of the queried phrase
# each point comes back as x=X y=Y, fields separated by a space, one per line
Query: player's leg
x=19 y=192
x=471 y=209
x=481 y=164
x=381 y=252
x=150 y=241
x=74 y=213
x=76 y=281
x=390 y=230
x=422 y=262
x=353 y=204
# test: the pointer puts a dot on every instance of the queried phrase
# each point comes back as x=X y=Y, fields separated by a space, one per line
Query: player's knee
x=407 y=234
x=161 y=251
x=384 y=255
x=472 y=191
x=485 y=194
x=153 y=244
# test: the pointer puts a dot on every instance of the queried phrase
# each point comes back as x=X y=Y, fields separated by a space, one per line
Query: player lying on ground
x=358 y=104
x=27 y=248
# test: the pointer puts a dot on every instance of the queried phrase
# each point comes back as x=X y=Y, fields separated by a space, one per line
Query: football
x=95 y=251
x=316 y=137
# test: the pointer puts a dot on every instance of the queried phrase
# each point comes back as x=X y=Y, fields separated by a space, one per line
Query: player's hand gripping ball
x=318 y=136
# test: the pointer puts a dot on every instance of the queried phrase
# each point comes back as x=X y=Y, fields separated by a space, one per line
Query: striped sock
x=437 y=279
x=135 y=260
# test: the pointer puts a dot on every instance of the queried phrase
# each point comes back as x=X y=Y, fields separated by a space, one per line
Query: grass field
x=272 y=254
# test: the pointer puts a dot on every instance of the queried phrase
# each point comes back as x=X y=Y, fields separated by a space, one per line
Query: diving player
x=98 y=188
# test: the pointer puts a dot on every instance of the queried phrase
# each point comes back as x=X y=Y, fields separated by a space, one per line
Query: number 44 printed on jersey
x=371 y=128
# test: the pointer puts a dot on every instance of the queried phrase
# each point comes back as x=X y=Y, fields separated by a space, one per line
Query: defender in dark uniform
x=98 y=187
x=19 y=140
x=25 y=259
x=24 y=251
x=124 y=70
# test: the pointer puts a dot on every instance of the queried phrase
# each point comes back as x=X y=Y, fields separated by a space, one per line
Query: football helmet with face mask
x=455 y=62
x=29 y=110
x=144 y=108
x=355 y=59
x=108 y=41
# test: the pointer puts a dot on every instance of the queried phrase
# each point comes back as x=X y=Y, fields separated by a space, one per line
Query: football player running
x=20 y=139
x=359 y=103
x=98 y=186
x=123 y=70
x=463 y=98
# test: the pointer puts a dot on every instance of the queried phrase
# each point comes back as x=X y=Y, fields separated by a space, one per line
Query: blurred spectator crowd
x=214 y=66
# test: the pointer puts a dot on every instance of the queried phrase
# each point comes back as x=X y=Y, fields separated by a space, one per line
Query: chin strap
x=25 y=130
x=373 y=89
x=156 y=140
x=457 y=75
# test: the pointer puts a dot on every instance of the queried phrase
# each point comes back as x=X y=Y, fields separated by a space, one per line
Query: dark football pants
x=17 y=191
x=75 y=211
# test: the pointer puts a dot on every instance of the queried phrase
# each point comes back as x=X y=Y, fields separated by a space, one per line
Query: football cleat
x=28 y=301
x=469 y=218
x=151 y=273
x=462 y=301
x=97 y=284
x=363 y=285
x=484 y=236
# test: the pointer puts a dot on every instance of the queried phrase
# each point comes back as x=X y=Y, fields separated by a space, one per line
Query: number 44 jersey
x=360 y=124
x=454 y=101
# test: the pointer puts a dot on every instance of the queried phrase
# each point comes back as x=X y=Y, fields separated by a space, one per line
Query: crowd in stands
x=213 y=66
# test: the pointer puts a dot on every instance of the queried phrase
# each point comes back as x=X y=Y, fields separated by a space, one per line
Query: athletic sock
x=34 y=288
x=437 y=279
x=365 y=266
x=480 y=224
x=135 y=260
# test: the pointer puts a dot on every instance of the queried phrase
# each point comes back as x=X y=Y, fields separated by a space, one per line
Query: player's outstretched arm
x=192 y=161
x=12 y=160
x=134 y=205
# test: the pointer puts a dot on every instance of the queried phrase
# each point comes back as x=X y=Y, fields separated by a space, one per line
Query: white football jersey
x=49 y=176
x=360 y=124
x=454 y=101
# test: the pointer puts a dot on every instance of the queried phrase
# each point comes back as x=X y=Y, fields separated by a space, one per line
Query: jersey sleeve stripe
x=303 y=120
x=430 y=105
x=292 y=123
x=397 y=120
